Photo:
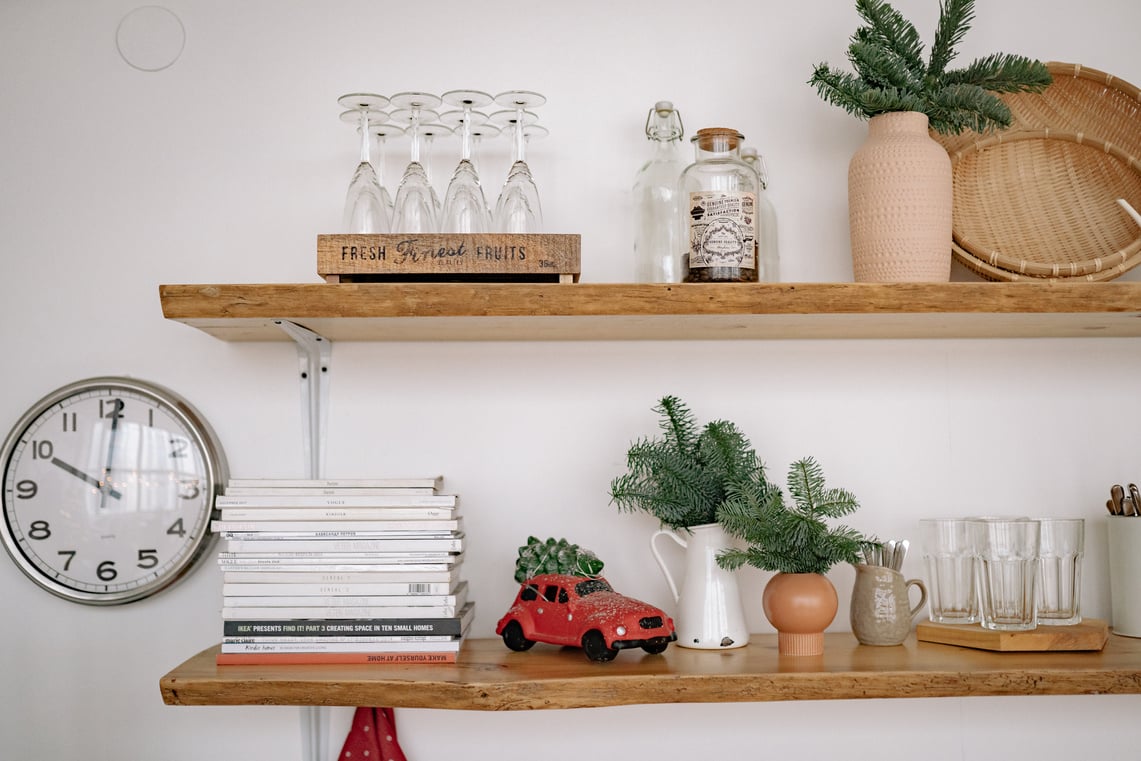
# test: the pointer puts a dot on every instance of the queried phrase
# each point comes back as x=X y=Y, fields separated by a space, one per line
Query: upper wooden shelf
x=617 y=311
x=488 y=676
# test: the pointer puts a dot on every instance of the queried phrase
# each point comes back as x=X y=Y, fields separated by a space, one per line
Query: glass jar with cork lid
x=719 y=193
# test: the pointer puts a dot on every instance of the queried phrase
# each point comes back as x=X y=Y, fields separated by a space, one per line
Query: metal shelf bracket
x=314 y=357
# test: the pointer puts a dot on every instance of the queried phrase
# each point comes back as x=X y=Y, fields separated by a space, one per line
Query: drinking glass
x=365 y=208
x=465 y=205
x=1007 y=552
x=518 y=209
x=1062 y=546
x=415 y=206
x=948 y=553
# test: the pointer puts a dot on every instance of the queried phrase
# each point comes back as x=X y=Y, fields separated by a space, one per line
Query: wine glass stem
x=415 y=135
x=465 y=141
x=519 y=150
x=365 y=137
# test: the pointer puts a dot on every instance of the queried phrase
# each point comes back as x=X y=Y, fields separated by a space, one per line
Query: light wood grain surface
x=490 y=677
x=616 y=311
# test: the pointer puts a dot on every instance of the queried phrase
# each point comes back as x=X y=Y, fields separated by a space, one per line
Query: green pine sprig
x=682 y=477
x=790 y=539
x=891 y=75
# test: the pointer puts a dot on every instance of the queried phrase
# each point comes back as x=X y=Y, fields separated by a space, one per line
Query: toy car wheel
x=656 y=649
x=514 y=639
x=595 y=647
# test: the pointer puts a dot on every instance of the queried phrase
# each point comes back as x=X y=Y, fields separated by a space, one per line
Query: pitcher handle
x=662 y=563
x=922 y=594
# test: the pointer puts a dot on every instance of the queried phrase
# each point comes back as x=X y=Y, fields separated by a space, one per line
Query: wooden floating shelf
x=489 y=677
x=691 y=311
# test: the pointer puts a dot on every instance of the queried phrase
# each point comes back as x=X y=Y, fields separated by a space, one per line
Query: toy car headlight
x=620 y=631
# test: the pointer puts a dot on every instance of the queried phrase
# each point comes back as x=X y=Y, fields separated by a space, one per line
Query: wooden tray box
x=491 y=257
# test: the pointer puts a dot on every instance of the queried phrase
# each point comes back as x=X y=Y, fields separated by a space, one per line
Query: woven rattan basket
x=1040 y=200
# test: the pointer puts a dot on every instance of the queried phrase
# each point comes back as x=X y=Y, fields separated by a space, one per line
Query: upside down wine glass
x=465 y=206
x=381 y=133
x=366 y=210
x=415 y=207
x=518 y=210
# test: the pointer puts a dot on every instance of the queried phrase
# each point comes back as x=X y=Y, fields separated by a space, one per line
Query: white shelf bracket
x=314 y=356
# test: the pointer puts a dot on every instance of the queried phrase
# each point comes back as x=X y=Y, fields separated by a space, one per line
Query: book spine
x=259 y=514
x=289 y=659
x=314 y=500
x=383 y=627
x=438 y=526
x=448 y=646
x=398 y=581
x=338 y=601
x=344 y=545
x=433 y=482
x=426 y=589
x=257 y=612
x=325 y=491
x=363 y=643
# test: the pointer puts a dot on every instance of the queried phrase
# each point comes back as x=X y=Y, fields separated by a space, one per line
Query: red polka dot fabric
x=372 y=737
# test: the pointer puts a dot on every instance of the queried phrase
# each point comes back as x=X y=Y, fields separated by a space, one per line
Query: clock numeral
x=42 y=449
x=151 y=418
x=112 y=408
x=178 y=448
x=188 y=488
x=70 y=422
x=106 y=571
x=148 y=558
x=40 y=530
x=176 y=529
x=26 y=489
x=70 y=557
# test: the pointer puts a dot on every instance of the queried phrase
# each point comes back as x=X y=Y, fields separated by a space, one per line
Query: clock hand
x=110 y=454
x=84 y=477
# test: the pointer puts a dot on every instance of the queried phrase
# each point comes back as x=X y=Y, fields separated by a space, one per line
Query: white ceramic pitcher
x=709 y=611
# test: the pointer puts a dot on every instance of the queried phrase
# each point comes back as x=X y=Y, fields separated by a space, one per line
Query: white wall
x=225 y=167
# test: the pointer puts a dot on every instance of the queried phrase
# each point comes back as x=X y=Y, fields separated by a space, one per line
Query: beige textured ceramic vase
x=800 y=606
x=899 y=203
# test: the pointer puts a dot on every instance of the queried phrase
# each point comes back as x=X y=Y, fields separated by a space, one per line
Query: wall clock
x=108 y=490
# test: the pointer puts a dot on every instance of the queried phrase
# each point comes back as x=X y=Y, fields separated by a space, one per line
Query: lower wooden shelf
x=489 y=677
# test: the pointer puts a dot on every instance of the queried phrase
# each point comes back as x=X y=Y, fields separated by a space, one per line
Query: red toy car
x=583 y=612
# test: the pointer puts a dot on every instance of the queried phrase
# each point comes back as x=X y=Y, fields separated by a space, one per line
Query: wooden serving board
x=1090 y=634
x=490 y=257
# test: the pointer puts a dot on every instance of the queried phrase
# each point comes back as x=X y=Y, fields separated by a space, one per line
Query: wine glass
x=518 y=209
x=465 y=206
x=380 y=133
x=365 y=208
x=414 y=209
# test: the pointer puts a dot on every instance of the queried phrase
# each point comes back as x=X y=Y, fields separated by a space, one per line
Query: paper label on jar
x=722 y=229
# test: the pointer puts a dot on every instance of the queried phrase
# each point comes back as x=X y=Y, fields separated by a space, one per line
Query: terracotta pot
x=800 y=606
x=899 y=203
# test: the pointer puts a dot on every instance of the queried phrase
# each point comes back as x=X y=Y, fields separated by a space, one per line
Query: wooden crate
x=1090 y=634
x=492 y=257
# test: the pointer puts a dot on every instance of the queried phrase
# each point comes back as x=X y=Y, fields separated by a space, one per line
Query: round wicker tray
x=1039 y=200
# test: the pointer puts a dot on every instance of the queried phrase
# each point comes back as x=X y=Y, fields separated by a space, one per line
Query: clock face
x=108 y=490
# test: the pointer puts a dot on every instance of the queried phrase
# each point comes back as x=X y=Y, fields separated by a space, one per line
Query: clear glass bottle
x=719 y=213
x=658 y=245
x=768 y=252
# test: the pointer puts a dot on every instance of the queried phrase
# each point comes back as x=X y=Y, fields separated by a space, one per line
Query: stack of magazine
x=341 y=571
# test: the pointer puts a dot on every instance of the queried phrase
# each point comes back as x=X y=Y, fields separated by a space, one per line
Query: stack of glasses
x=416 y=208
x=1007 y=574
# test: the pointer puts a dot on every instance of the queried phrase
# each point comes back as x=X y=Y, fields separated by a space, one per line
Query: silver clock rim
x=205 y=439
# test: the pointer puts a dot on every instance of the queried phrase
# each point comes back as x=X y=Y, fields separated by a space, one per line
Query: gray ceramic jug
x=881 y=610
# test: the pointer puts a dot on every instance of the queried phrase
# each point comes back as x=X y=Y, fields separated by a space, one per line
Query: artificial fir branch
x=891 y=75
x=790 y=539
x=682 y=477
x=955 y=17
